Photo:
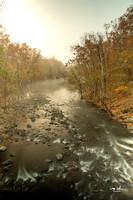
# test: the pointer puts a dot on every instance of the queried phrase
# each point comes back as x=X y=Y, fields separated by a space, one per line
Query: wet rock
x=16 y=139
x=66 y=146
x=40 y=178
x=29 y=126
x=58 y=140
x=52 y=122
x=19 y=185
x=3 y=148
x=53 y=118
x=48 y=129
x=62 y=122
x=23 y=132
x=47 y=138
x=12 y=155
x=5 y=169
x=33 y=119
x=7 y=162
x=48 y=161
x=11 y=181
x=59 y=157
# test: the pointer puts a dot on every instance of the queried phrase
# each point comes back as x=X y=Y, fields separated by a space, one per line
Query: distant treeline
x=102 y=64
x=21 y=64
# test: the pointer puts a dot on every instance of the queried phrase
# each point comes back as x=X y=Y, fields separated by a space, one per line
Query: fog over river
x=66 y=148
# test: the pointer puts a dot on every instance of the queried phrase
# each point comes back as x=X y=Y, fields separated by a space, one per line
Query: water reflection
x=105 y=147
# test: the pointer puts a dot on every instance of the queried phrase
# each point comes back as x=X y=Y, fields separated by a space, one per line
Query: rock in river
x=59 y=157
x=5 y=169
x=29 y=126
x=3 y=148
x=7 y=162
x=48 y=160
x=12 y=155
x=48 y=129
x=33 y=119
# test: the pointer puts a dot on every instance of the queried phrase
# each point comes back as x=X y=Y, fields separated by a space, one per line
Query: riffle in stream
x=65 y=148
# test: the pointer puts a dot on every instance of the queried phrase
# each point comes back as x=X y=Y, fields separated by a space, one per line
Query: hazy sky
x=54 y=25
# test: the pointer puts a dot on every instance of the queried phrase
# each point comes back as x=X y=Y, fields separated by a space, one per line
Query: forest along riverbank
x=51 y=138
x=121 y=107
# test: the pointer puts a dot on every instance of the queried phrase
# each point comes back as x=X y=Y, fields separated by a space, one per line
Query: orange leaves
x=120 y=89
x=126 y=59
x=104 y=63
x=130 y=43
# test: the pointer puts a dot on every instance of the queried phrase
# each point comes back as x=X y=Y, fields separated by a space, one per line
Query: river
x=72 y=150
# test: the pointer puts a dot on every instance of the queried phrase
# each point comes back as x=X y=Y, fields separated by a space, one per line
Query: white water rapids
x=24 y=175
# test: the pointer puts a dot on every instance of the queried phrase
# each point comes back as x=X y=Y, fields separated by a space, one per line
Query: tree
x=104 y=62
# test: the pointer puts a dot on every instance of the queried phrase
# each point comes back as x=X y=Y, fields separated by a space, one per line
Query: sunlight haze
x=54 y=25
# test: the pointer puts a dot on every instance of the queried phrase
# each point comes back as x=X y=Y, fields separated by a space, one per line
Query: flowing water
x=100 y=160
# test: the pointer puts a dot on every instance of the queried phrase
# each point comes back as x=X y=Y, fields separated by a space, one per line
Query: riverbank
x=121 y=106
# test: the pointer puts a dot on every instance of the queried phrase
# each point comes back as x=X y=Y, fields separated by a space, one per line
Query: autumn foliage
x=21 y=64
x=102 y=64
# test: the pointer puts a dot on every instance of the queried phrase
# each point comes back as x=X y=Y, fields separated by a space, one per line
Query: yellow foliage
x=126 y=56
x=120 y=89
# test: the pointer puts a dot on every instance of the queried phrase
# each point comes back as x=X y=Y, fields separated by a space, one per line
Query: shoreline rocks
x=7 y=162
x=3 y=148
x=59 y=157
